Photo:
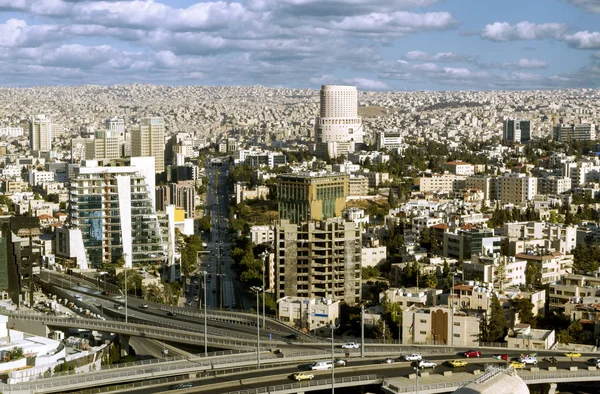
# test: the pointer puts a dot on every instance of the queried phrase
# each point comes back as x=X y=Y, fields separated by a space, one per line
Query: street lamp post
x=362 y=331
x=333 y=328
x=204 y=273
x=264 y=256
x=126 y=320
x=257 y=290
x=417 y=369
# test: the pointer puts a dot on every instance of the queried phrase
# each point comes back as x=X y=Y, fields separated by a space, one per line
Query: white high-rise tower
x=338 y=127
x=40 y=133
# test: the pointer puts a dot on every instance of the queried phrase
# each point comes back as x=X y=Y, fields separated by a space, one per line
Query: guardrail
x=312 y=385
x=427 y=387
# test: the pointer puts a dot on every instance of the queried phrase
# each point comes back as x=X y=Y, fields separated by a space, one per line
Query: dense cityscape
x=293 y=196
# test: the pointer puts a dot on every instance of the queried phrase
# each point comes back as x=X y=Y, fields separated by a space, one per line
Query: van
x=321 y=365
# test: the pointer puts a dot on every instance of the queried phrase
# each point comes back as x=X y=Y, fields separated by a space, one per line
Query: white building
x=116 y=126
x=372 y=257
x=338 y=127
x=262 y=234
x=388 y=139
x=37 y=178
x=9 y=131
x=308 y=313
x=40 y=137
x=460 y=168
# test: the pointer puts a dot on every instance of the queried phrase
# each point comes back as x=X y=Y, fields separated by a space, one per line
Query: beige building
x=104 y=147
x=318 y=259
x=148 y=139
x=243 y=192
x=358 y=185
x=262 y=234
x=372 y=257
x=488 y=185
x=440 y=183
x=572 y=290
x=551 y=267
x=436 y=325
x=459 y=168
x=502 y=271
x=524 y=337
x=308 y=314
x=311 y=196
x=15 y=186
x=517 y=189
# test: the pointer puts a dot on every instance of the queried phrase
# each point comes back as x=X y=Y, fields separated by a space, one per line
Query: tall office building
x=40 y=133
x=105 y=146
x=148 y=139
x=115 y=125
x=517 y=131
x=338 y=127
x=183 y=195
x=572 y=132
x=318 y=259
x=113 y=208
x=311 y=196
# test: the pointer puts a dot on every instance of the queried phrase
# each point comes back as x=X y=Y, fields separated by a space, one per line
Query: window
x=457 y=324
x=423 y=321
x=456 y=335
x=423 y=332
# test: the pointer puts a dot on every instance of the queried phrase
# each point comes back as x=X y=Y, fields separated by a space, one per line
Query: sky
x=377 y=45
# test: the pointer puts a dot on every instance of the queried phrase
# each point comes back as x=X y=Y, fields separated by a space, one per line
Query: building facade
x=40 y=133
x=319 y=259
x=311 y=196
x=517 y=131
x=338 y=127
x=113 y=208
x=148 y=139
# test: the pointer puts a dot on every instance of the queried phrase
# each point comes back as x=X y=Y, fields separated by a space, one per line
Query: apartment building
x=487 y=184
x=407 y=297
x=517 y=189
x=459 y=168
x=572 y=289
x=439 y=325
x=318 y=259
x=551 y=266
x=105 y=146
x=358 y=185
x=574 y=132
x=262 y=234
x=501 y=271
x=516 y=131
x=462 y=244
x=113 y=208
x=440 y=183
x=388 y=139
x=308 y=314
x=148 y=139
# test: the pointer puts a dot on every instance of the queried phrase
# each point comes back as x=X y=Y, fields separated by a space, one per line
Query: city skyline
x=372 y=44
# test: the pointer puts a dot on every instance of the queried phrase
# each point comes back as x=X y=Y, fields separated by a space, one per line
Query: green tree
x=15 y=354
x=204 y=224
x=382 y=330
x=531 y=272
x=497 y=324
x=524 y=308
x=370 y=272
x=134 y=281
x=153 y=293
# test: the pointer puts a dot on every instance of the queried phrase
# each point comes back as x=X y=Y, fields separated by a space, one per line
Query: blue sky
x=374 y=44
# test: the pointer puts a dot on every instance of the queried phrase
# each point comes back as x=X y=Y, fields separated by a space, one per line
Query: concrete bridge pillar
x=549 y=388
x=124 y=343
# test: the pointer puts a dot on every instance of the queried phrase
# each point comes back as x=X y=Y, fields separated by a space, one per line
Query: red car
x=472 y=353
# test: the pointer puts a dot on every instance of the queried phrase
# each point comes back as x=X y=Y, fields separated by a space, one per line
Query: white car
x=413 y=357
x=427 y=364
x=350 y=345
x=528 y=360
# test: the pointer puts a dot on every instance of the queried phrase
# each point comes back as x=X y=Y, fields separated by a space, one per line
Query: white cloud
x=503 y=31
x=395 y=22
x=587 y=5
x=438 y=57
x=16 y=33
x=522 y=63
x=360 y=83
x=584 y=40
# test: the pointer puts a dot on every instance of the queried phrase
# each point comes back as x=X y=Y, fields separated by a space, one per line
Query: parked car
x=427 y=364
x=350 y=345
x=472 y=353
x=457 y=363
x=413 y=357
x=303 y=376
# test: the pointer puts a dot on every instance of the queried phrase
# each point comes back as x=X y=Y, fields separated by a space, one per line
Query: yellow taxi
x=457 y=363
x=517 y=365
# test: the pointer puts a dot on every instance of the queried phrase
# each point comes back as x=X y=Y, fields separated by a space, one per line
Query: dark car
x=292 y=337
x=171 y=313
x=106 y=292
x=181 y=386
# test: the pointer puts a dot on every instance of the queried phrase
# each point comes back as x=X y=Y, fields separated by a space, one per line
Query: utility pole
x=204 y=273
x=362 y=331
x=452 y=322
x=126 y=320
